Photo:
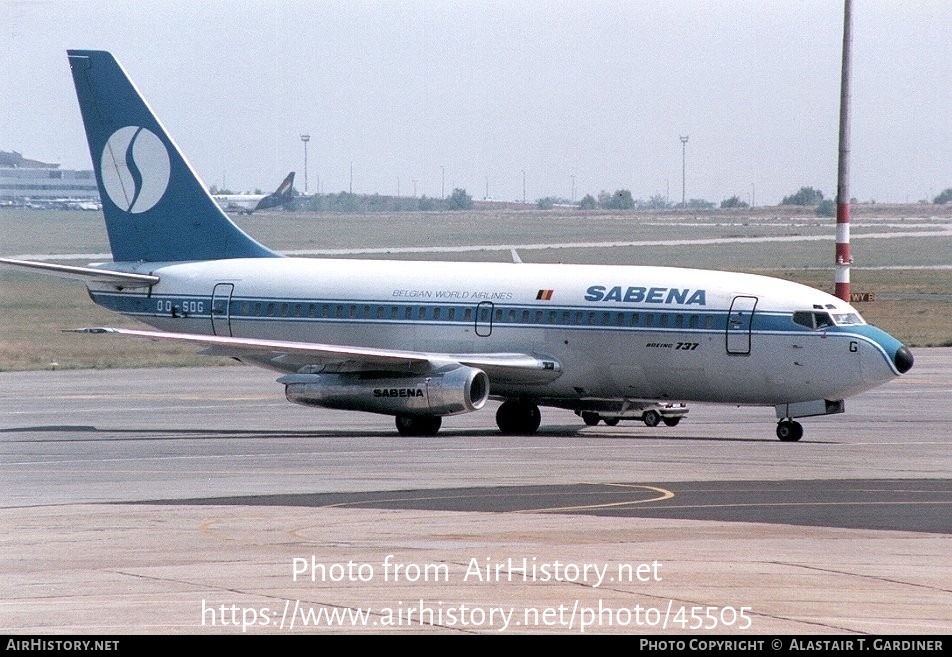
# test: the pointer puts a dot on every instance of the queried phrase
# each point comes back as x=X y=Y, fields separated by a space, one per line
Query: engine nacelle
x=460 y=390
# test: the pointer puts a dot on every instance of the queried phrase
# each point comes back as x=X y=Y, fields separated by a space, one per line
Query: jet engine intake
x=459 y=390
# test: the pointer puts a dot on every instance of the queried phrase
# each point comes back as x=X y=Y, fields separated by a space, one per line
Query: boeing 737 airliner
x=424 y=340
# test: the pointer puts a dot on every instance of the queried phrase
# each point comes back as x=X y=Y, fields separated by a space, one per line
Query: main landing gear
x=515 y=417
x=789 y=431
x=518 y=417
x=418 y=425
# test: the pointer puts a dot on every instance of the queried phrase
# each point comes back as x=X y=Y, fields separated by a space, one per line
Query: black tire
x=651 y=418
x=589 y=418
x=418 y=425
x=518 y=418
x=612 y=421
x=671 y=421
x=789 y=431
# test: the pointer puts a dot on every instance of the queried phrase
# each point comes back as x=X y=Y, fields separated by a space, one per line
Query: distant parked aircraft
x=248 y=203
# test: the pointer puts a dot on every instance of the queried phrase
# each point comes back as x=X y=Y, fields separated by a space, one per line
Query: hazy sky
x=473 y=91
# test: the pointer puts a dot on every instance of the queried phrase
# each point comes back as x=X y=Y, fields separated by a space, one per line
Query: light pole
x=442 y=182
x=684 y=143
x=523 y=186
x=305 y=138
x=844 y=257
x=573 y=188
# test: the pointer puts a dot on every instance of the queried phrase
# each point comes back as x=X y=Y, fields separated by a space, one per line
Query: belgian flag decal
x=544 y=295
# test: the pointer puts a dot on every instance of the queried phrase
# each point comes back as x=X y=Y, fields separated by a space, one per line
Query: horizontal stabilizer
x=118 y=279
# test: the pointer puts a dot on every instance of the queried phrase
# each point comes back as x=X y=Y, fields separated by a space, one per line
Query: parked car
x=651 y=414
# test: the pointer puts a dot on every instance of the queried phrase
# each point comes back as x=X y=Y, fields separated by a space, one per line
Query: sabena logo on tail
x=135 y=169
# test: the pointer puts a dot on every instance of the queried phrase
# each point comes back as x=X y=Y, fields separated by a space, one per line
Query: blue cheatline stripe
x=368 y=311
x=565 y=318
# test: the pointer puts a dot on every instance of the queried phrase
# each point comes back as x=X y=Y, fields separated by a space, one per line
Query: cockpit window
x=815 y=319
x=847 y=319
x=804 y=319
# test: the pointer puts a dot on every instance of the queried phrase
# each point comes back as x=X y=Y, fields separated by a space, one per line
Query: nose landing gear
x=789 y=431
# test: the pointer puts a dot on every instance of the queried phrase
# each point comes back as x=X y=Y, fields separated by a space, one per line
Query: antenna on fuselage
x=843 y=257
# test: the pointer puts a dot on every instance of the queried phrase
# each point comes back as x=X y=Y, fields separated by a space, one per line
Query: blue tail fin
x=156 y=208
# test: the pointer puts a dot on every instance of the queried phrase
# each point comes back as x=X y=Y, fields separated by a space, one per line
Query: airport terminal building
x=25 y=182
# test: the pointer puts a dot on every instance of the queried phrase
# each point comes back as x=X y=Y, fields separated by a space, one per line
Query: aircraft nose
x=903 y=359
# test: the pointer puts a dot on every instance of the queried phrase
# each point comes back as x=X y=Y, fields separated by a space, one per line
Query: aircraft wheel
x=651 y=418
x=789 y=431
x=589 y=418
x=418 y=425
x=671 y=421
x=611 y=421
x=516 y=417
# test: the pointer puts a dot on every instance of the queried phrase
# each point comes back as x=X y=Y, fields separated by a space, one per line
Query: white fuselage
x=617 y=332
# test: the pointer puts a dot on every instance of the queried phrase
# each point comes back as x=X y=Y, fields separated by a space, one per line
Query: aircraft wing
x=118 y=279
x=293 y=356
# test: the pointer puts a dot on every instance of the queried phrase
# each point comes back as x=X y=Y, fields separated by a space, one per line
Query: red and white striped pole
x=843 y=256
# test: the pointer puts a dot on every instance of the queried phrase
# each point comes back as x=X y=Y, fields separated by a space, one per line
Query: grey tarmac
x=178 y=501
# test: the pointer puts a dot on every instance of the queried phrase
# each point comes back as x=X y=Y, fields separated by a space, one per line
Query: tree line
x=620 y=199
